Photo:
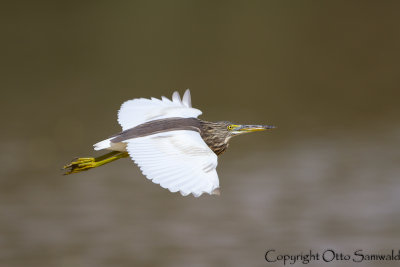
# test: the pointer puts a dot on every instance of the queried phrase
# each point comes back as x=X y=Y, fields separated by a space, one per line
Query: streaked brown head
x=217 y=134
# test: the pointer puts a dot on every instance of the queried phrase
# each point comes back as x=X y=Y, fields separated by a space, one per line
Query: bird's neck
x=217 y=143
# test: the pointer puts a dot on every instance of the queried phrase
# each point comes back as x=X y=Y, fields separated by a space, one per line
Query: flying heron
x=171 y=146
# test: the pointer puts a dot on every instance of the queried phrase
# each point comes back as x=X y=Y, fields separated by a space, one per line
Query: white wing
x=137 y=111
x=177 y=160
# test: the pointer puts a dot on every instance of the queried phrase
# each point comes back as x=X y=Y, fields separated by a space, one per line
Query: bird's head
x=237 y=129
x=217 y=134
x=230 y=129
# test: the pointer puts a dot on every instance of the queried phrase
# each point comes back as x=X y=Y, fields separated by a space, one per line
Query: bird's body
x=169 y=143
x=207 y=130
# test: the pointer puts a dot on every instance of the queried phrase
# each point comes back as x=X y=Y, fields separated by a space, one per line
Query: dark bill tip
x=269 y=127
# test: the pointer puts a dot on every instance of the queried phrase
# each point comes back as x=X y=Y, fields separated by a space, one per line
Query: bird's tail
x=84 y=164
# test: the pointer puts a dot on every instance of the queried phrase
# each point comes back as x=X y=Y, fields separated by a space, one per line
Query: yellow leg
x=84 y=164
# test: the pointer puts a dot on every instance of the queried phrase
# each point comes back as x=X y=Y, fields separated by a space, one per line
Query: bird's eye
x=230 y=127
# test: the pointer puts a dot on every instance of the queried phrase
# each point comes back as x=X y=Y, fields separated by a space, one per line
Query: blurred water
x=328 y=177
x=315 y=194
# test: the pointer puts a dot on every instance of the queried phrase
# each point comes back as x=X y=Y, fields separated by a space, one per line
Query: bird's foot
x=80 y=164
x=84 y=164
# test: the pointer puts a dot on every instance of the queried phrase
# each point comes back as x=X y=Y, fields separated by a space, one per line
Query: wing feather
x=179 y=161
x=187 y=101
x=137 y=111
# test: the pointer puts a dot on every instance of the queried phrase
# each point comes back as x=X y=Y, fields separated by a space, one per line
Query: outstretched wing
x=177 y=160
x=137 y=111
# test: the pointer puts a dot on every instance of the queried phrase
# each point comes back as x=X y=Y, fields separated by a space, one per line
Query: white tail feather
x=102 y=145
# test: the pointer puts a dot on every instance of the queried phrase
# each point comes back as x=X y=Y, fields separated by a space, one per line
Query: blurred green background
x=326 y=73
